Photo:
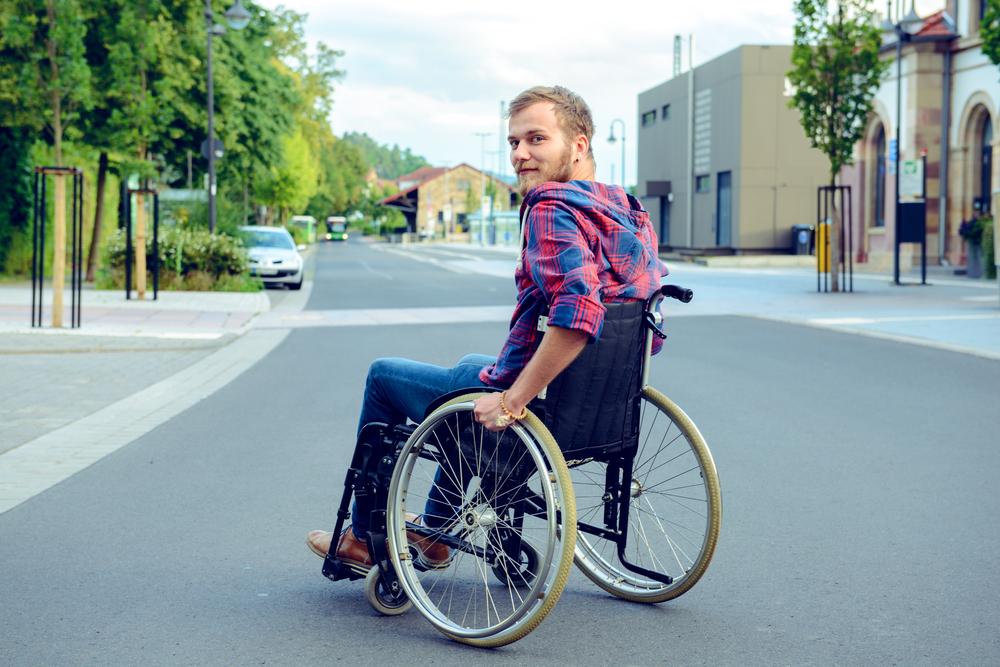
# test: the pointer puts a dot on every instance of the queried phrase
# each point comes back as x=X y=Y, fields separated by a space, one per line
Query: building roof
x=422 y=174
x=938 y=24
x=425 y=174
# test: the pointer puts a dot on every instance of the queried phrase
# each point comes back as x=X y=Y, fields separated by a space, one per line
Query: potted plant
x=972 y=232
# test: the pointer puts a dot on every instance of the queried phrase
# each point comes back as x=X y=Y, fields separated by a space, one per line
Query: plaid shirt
x=584 y=243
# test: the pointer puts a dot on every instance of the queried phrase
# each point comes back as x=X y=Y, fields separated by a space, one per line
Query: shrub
x=299 y=235
x=972 y=230
x=190 y=259
x=989 y=250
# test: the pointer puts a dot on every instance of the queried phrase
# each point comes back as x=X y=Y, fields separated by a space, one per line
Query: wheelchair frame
x=376 y=455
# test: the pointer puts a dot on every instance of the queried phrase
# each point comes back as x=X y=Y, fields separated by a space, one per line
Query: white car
x=273 y=256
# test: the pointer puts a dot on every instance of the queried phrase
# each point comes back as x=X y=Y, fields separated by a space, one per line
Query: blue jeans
x=400 y=389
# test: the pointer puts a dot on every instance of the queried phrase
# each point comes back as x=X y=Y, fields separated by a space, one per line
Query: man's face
x=539 y=149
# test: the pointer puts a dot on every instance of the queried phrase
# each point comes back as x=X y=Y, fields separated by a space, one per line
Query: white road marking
x=849 y=321
x=417 y=257
x=364 y=317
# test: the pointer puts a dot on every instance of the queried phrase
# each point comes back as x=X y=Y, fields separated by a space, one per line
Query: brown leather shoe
x=432 y=554
x=350 y=550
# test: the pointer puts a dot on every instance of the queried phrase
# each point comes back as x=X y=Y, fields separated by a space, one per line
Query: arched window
x=878 y=215
x=986 y=173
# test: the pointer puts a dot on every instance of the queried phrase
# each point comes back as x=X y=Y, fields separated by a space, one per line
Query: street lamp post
x=903 y=30
x=612 y=139
x=238 y=17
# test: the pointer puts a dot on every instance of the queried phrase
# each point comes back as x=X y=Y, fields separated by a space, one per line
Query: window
x=648 y=118
x=986 y=148
x=702 y=183
x=665 y=112
x=982 y=10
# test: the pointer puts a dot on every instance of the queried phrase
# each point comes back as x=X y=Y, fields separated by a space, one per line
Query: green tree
x=342 y=186
x=15 y=186
x=123 y=43
x=836 y=71
x=989 y=30
x=44 y=76
x=389 y=162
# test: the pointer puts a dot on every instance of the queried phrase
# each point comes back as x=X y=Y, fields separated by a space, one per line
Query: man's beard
x=561 y=173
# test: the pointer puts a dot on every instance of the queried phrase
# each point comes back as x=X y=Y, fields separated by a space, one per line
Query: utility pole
x=502 y=140
x=482 y=183
x=690 y=143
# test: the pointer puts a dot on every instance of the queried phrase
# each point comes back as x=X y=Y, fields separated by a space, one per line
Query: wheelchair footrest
x=336 y=570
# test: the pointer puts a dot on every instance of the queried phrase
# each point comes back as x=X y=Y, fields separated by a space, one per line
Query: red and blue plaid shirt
x=584 y=244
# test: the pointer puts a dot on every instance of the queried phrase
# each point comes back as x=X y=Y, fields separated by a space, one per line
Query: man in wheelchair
x=585 y=245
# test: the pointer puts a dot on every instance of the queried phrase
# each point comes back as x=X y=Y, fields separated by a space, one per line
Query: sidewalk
x=177 y=315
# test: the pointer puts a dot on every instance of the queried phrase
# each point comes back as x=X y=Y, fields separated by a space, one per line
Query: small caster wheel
x=384 y=600
x=520 y=573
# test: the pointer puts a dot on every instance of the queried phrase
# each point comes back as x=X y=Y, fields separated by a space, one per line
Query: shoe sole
x=354 y=565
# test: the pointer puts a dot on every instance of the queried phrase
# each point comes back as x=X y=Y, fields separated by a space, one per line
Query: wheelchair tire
x=382 y=600
x=513 y=480
x=675 y=510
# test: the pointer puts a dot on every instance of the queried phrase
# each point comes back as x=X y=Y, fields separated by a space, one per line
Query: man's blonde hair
x=571 y=111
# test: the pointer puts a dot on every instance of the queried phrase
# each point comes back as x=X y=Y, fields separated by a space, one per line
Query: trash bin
x=802 y=239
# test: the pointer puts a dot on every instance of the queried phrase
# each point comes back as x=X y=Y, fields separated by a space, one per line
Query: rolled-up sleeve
x=563 y=266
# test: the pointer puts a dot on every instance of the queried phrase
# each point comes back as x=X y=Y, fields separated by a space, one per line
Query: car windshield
x=259 y=239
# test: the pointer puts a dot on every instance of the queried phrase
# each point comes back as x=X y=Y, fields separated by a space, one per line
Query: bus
x=336 y=228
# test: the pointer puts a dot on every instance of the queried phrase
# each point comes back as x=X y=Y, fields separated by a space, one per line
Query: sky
x=430 y=75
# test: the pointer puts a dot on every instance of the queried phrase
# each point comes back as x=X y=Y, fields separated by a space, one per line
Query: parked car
x=273 y=256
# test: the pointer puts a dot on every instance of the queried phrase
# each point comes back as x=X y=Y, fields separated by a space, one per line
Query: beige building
x=723 y=162
x=950 y=97
x=437 y=200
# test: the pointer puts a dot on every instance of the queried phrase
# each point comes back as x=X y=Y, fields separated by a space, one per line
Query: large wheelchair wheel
x=675 y=509
x=509 y=524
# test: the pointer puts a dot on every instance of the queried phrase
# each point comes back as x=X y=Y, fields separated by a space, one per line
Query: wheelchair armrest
x=444 y=398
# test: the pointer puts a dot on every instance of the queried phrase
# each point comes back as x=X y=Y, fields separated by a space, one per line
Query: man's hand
x=487 y=410
x=559 y=347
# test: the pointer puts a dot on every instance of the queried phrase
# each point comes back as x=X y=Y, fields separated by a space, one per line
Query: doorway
x=724 y=210
x=664 y=232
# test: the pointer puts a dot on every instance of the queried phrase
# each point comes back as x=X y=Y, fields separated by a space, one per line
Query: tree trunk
x=835 y=226
x=140 y=238
x=95 y=237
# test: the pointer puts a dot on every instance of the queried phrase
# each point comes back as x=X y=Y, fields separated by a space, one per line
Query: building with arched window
x=950 y=97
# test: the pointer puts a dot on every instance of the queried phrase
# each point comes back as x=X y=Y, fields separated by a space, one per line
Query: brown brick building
x=437 y=200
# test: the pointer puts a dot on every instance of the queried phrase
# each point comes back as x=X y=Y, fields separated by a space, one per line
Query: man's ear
x=581 y=147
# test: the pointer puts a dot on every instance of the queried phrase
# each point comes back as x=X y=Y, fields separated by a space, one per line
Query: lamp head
x=238 y=16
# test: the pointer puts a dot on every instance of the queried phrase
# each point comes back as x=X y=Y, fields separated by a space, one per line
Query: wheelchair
x=604 y=472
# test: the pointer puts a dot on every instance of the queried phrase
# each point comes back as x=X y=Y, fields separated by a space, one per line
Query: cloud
x=427 y=75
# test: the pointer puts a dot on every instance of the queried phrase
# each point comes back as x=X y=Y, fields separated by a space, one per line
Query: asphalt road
x=861 y=513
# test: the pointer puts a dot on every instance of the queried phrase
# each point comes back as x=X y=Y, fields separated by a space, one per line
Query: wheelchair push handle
x=682 y=294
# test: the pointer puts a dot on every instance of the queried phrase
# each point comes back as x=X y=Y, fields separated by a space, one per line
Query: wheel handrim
x=671 y=513
x=465 y=600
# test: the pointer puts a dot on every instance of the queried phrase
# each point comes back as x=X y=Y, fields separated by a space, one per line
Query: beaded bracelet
x=507 y=413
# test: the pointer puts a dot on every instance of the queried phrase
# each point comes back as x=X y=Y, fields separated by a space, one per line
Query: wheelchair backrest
x=592 y=407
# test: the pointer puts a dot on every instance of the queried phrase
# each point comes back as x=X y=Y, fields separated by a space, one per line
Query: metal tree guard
x=827 y=199
x=38 y=242
x=129 y=250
